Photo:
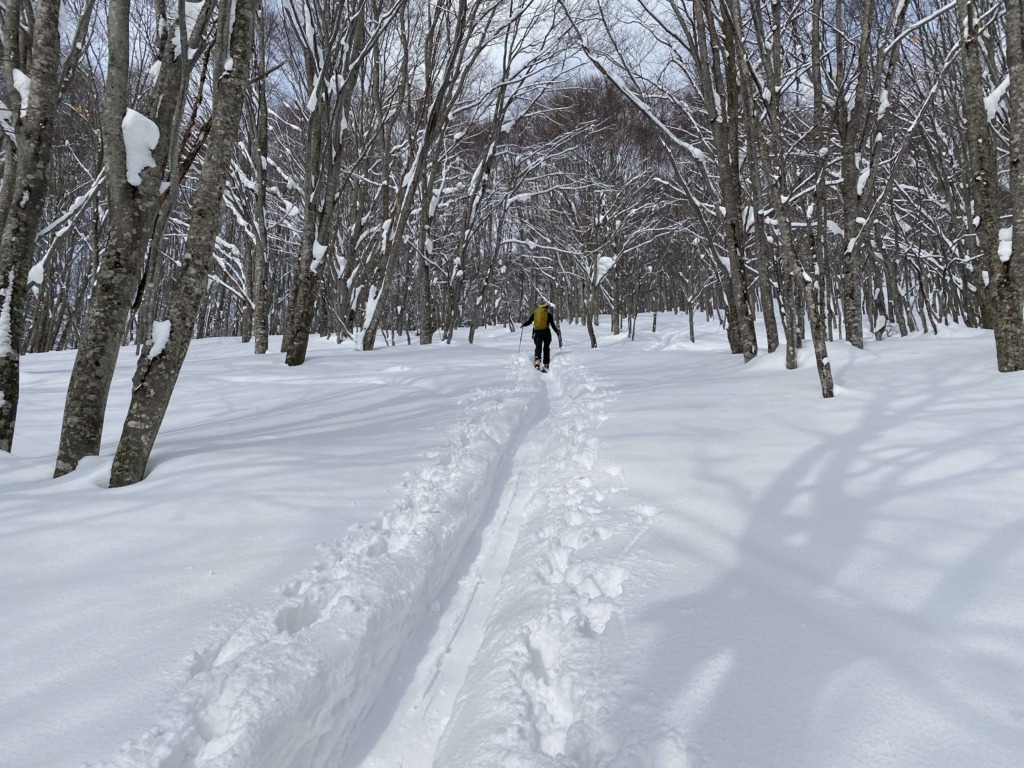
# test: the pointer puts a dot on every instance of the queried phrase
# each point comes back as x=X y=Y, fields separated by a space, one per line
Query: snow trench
x=290 y=686
x=556 y=598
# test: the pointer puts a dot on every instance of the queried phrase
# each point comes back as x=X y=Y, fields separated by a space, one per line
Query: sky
x=653 y=556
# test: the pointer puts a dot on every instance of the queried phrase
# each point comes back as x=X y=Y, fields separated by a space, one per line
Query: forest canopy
x=398 y=171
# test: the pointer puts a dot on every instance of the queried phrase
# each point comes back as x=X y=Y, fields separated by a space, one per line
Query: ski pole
x=519 y=351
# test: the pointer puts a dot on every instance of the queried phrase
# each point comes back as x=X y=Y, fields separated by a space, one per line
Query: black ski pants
x=542 y=341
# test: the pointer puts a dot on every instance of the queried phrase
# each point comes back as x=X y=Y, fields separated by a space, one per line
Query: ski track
x=408 y=719
x=550 y=495
x=416 y=641
x=289 y=687
x=530 y=698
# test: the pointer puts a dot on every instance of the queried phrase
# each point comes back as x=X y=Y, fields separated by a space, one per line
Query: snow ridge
x=289 y=687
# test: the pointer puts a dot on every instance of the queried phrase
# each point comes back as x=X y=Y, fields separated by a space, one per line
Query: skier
x=542 y=321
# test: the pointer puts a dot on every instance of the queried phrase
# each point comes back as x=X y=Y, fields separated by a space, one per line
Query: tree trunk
x=299 y=322
x=787 y=242
x=764 y=262
x=156 y=374
x=721 y=78
x=332 y=90
x=1009 y=330
x=133 y=213
x=425 y=244
x=34 y=133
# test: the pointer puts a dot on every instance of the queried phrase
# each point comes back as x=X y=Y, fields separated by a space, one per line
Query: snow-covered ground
x=653 y=557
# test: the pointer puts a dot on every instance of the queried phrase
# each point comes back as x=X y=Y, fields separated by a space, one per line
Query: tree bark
x=133 y=213
x=156 y=374
x=720 y=78
x=34 y=133
x=1004 y=269
x=325 y=142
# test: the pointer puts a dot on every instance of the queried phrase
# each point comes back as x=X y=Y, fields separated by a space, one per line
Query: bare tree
x=1003 y=289
x=766 y=88
x=134 y=188
x=696 y=29
x=158 y=368
x=862 y=78
x=31 y=39
x=458 y=32
x=336 y=39
x=533 y=41
x=246 y=195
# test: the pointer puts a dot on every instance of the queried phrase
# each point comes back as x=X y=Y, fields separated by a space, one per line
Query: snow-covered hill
x=653 y=557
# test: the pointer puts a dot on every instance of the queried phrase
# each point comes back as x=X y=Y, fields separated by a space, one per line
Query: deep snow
x=653 y=557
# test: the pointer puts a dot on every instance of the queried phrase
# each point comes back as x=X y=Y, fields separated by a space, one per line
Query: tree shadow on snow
x=854 y=627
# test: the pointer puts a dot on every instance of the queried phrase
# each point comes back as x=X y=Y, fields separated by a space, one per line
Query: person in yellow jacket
x=543 y=321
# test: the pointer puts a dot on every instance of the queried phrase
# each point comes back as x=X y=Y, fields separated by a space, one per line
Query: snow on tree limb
x=23 y=85
x=141 y=135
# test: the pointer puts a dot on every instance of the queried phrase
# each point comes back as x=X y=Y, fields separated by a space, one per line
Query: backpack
x=540 y=318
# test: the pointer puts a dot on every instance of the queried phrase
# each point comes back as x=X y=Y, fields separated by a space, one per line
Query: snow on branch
x=993 y=99
x=141 y=136
x=643 y=106
x=160 y=335
x=192 y=11
x=23 y=85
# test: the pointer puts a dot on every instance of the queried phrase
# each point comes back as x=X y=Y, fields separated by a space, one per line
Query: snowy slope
x=653 y=557
x=157 y=603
